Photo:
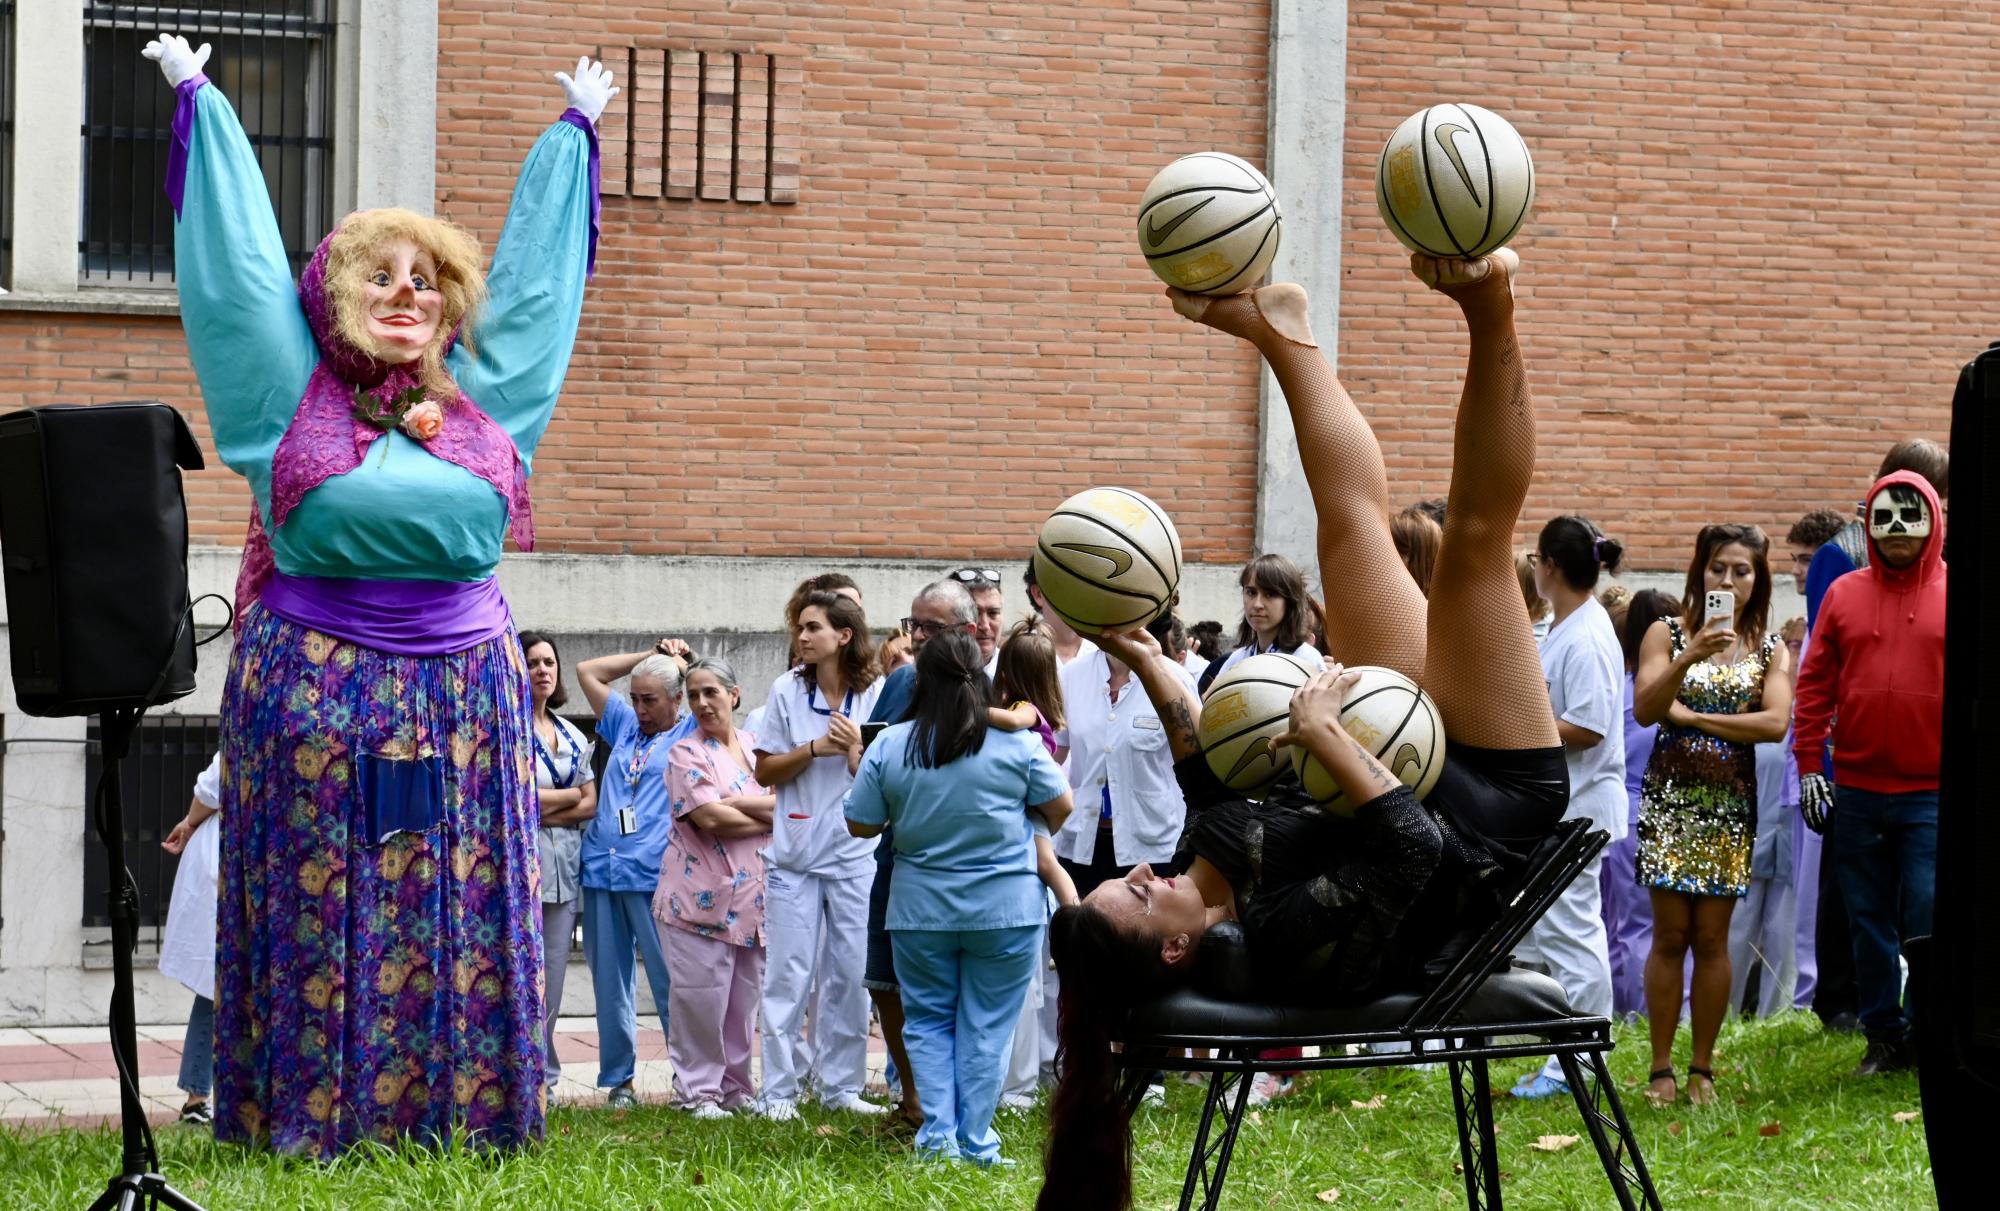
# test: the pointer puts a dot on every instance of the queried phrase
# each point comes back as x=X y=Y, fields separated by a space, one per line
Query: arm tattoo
x=1180 y=726
x=1377 y=776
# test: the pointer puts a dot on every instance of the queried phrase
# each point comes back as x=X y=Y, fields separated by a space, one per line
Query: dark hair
x=1647 y=607
x=1027 y=670
x=1205 y=637
x=529 y=639
x=1579 y=551
x=1816 y=528
x=1752 y=619
x=1177 y=638
x=1279 y=577
x=857 y=659
x=825 y=582
x=1417 y=536
x=1087 y=1161
x=1432 y=508
x=948 y=706
x=1923 y=456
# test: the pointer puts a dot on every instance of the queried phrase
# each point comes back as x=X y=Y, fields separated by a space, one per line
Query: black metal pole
x=116 y=729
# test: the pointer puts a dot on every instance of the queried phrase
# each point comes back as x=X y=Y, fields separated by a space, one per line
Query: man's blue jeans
x=1886 y=846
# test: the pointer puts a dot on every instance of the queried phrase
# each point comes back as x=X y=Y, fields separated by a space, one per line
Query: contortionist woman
x=379 y=944
x=1333 y=906
x=816 y=876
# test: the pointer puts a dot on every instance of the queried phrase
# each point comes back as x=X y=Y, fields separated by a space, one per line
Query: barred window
x=272 y=59
x=716 y=125
x=156 y=782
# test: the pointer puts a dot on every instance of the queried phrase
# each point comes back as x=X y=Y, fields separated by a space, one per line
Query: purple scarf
x=325 y=439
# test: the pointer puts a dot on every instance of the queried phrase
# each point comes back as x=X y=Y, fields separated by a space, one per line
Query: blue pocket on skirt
x=400 y=796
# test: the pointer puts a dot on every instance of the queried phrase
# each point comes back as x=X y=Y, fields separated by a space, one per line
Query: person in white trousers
x=817 y=876
x=1585 y=669
x=1763 y=931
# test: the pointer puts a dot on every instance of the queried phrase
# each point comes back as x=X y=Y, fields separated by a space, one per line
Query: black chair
x=1475 y=1003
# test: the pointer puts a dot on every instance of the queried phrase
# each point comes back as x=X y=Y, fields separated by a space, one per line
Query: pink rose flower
x=423 y=421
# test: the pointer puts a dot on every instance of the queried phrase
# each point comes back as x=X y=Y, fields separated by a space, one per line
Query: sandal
x=1655 y=1077
x=1707 y=1095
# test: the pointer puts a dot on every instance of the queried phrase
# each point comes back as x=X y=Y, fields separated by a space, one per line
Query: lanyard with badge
x=635 y=772
x=561 y=781
x=812 y=695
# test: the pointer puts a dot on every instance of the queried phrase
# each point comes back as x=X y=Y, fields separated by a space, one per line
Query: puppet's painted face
x=400 y=295
x=1899 y=520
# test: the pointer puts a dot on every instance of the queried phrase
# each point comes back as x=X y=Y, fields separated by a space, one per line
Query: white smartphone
x=1720 y=603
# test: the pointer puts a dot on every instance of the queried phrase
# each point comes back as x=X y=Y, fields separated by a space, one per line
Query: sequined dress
x=1698 y=797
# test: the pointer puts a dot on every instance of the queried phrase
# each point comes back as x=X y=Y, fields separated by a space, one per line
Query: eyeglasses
x=917 y=626
x=976 y=576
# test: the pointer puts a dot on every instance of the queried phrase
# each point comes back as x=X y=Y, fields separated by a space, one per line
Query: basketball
x=1246 y=706
x=1454 y=181
x=1209 y=224
x=1108 y=560
x=1388 y=715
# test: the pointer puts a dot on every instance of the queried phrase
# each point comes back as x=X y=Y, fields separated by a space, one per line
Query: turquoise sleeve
x=253 y=353
x=521 y=339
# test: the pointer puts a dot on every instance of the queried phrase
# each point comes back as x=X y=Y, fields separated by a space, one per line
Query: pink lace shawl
x=325 y=440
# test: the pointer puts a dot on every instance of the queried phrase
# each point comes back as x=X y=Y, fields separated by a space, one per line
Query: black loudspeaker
x=1955 y=973
x=94 y=538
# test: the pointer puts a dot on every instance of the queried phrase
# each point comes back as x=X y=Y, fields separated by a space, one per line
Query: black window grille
x=156 y=782
x=273 y=60
x=6 y=138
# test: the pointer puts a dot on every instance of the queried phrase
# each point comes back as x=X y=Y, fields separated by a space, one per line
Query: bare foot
x=1469 y=282
x=1279 y=308
x=1701 y=1089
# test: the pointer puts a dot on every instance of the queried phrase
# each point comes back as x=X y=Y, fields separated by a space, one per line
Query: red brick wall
x=1754 y=260
x=952 y=328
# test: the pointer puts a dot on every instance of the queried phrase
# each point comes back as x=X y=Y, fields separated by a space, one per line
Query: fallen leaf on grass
x=1675 y=1128
x=1373 y=1103
x=825 y=1129
x=1770 y=1129
x=1907 y=1116
x=698 y=1178
x=1499 y=1096
x=1555 y=1143
x=1256 y=1118
x=1328 y=1196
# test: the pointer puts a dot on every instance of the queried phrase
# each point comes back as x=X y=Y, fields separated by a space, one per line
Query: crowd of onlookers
x=887 y=834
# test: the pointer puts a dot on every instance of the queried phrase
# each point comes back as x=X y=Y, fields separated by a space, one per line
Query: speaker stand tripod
x=138 y=1186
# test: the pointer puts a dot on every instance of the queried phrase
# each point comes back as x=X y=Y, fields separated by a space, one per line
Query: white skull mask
x=1899 y=511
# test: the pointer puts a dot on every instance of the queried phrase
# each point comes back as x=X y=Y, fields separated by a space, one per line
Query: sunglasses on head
x=976 y=576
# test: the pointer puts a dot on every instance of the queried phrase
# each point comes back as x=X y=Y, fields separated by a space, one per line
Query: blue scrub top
x=631 y=863
x=965 y=858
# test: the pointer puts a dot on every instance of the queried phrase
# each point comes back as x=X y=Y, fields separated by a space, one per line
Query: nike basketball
x=1389 y=716
x=1209 y=224
x=1246 y=706
x=1454 y=181
x=1108 y=560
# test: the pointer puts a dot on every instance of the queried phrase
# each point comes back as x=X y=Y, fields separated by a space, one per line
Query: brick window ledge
x=96 y=302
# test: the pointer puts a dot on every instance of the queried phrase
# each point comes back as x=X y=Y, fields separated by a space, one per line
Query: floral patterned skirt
x=373 y=984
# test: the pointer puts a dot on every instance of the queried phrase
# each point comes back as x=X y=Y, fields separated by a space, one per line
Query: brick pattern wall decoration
x=717 y=125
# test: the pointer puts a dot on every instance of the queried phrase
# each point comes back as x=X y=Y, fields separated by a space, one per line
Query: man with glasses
x=942 y=605
x=988 y=611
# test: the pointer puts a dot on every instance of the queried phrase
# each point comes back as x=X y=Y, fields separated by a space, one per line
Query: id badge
x=628 y=822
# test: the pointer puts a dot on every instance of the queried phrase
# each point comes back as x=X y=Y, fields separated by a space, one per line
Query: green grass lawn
x=1837 y=1144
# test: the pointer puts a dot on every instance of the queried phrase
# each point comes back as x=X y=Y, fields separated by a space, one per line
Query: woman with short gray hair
x=710 y=899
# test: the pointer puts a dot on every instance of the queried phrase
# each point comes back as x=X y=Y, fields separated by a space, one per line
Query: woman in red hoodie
x=1874 y=674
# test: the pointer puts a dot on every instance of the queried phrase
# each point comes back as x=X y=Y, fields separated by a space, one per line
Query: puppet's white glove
x=1815 y=800
x=591 y=90
x=176 y=58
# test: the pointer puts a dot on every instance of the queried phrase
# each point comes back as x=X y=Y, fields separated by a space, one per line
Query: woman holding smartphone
x=1717 y=684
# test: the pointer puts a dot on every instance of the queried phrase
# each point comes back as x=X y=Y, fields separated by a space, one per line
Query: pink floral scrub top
x=711 y=886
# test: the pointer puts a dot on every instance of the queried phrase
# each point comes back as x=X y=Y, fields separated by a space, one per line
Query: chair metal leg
x=1624 y=1167
x=1489 y=1148
x=1478 y=1156
x=1233 y=1087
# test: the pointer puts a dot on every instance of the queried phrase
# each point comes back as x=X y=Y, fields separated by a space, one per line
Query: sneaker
x=1018 y=1102
x=1154 y=1098
x=1540 y=1086
x=197 y=1114
x=708 y=1112
x=1883 y=1057
x=852 y=1103
x=622 y=1098
x=1841 y=1023
x=1268 y=1087
x=780 y=1110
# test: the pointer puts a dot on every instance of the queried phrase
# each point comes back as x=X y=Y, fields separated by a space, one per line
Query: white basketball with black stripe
x=1209 y=224
x=1386 y=713
x=1108 y=559
x=1455 y=181
x=1246 y=706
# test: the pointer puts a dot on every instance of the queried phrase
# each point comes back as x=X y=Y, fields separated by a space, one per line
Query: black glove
x=1815 y=801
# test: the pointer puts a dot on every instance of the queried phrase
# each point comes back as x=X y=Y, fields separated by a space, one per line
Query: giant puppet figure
x=379 y=946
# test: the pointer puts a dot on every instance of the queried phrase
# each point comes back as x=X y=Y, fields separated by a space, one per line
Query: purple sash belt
x=406 y=617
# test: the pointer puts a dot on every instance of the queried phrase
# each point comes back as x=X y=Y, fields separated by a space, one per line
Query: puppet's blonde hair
x=351 y=256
